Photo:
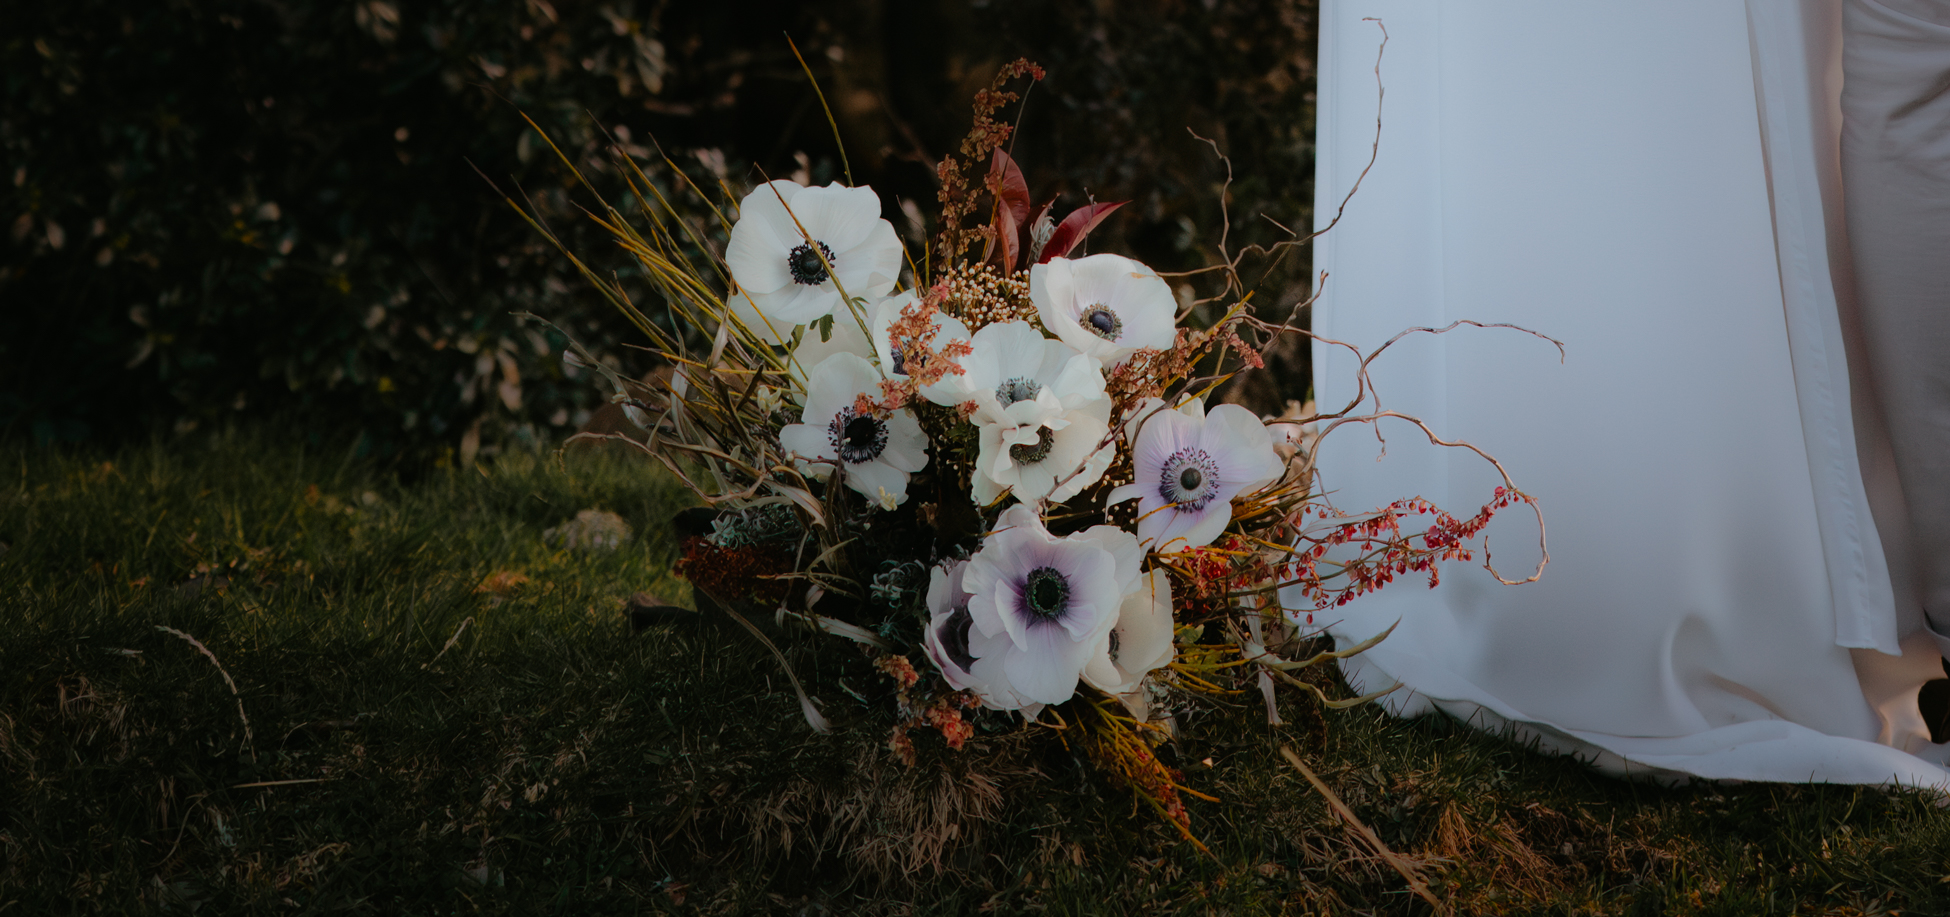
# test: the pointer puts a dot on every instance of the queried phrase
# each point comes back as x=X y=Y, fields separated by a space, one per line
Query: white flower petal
x=872 y=268
x=1081 y=382
x=756 y=253
x=765 y=210
x=754 y=262
x=833 y=385
x=996 y=690
x=846 y=338
x=907 y=444
x=984 y=490
x=1192 y=529
x=807 y=440
x=1124 y=550
x=1122 y=493
x=839 y=216
x=1089 y=472
x=798 y=304
x=1156 y=431
x=870 y=479
x=1102 y=672
x=1143 y=637
x=1046 y=665
x=1145 y=626
x=765 y=328
x=1053 y=292
x=1237 y=434
x=1026 y=414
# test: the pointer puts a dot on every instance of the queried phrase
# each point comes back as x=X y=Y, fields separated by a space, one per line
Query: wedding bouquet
x=996 y=464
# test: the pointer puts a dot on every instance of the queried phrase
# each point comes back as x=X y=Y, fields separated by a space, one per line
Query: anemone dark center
x=900 y=362
x=954 y=638
x=1189 y=479
x=857 y=437
x=1046 y=593
x=1031 y=453
x=805 y=263
x=1021 y=388
x=1100 y=321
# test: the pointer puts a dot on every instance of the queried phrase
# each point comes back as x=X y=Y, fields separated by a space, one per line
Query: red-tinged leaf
x=1007 y=184
x=1011 y=193
x=1005 y=243
x=1074 y=227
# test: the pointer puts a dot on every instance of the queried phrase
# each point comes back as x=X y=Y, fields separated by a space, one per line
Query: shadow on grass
x=436 y=708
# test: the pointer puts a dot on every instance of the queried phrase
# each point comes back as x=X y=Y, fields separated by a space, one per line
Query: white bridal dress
x=1656 y=184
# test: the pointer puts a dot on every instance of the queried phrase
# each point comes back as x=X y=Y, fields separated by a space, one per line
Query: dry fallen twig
x=249 y=743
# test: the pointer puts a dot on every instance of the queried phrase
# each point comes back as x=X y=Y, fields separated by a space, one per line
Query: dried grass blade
x=1408 y=870
x=853 y=632
x=828 y=109
x=813 y=717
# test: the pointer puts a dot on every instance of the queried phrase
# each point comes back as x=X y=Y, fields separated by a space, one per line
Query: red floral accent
x=1247 y=352
x=901 y=745
x=751 y=573
x=899 y=669
x=942 y=712
x=945 y=715
x=1386 y=552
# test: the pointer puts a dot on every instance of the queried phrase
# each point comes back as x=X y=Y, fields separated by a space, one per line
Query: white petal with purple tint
x=1187 y=466
x=1052 y=599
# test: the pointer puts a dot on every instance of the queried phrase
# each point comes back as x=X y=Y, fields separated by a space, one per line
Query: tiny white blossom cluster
x=1030 y=614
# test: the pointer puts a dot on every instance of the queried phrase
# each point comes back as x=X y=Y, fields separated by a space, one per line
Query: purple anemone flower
x=1054 y=599
x=1188 y=464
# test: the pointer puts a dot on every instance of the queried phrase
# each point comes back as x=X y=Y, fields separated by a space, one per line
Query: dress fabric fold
x=1656 y=185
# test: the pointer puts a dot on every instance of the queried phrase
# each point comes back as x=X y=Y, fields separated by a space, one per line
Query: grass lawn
x=241 y=677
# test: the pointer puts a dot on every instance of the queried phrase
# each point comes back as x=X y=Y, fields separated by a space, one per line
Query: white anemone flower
x=1017 y=377
x=951 y=389
x=1055 y=459
x=1107 y=306
x=875 y=454
x=1043 y=414
x=1188 y=464
x=960 y=651
x=1139 y=643
x=1055 y=599
x=787 y=277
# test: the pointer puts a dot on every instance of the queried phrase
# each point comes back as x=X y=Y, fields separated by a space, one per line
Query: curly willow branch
x=1509 y=484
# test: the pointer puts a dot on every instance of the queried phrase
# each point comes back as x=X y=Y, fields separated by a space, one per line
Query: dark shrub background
x=244 y=208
